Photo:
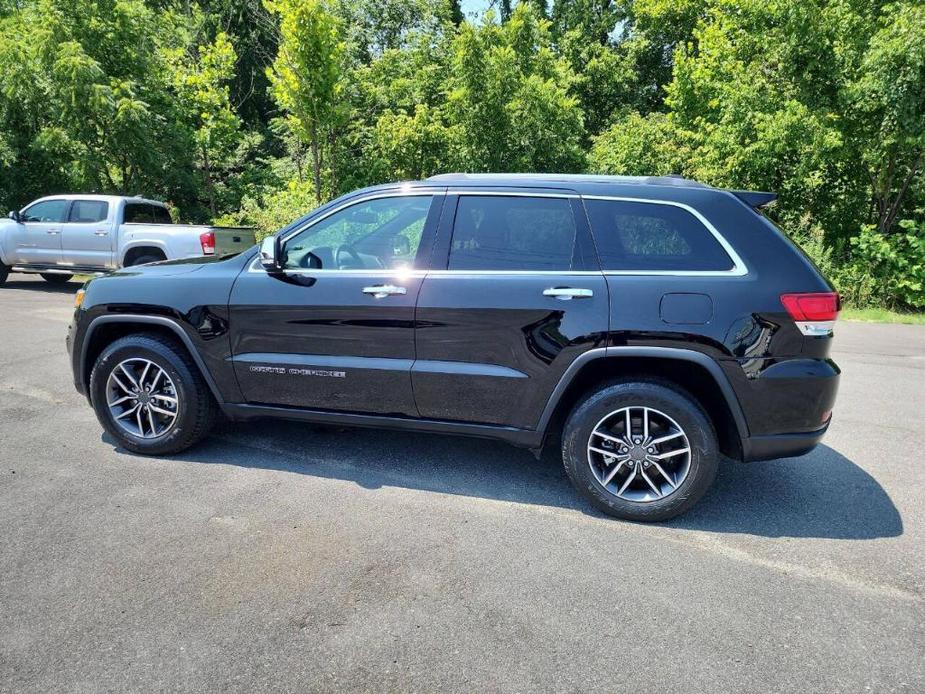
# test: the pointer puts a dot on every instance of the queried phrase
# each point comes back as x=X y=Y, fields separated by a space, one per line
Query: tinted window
x=88 y=211
x=649 y=236
x=494 y=232
x=46 y=211
x=384 y=233
x=145 y=213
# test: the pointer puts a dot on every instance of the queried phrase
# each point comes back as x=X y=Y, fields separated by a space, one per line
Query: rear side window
x=46 y=211
x=496 y=232
x=145 y=213
x=650 y=236
x=88 y=211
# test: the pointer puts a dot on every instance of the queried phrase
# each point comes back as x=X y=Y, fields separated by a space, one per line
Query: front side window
x=378 y=234
x=88 y=211
x=46 y=211
x=655 y=237
x=518 y=233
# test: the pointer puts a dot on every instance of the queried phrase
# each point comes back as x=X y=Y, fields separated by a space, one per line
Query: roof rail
x=670 y=180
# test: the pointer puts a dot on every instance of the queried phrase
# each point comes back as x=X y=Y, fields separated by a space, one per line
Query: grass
x=881 y=315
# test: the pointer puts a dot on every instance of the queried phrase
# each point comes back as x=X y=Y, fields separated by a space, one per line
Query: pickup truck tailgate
x=233 y=239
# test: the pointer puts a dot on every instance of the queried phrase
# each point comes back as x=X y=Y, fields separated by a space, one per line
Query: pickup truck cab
x=62 y=235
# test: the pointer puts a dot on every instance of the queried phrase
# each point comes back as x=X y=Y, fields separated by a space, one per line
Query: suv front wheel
x=150 y=396
x=642 y=451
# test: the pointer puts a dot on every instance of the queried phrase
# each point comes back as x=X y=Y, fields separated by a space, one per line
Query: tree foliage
x=249 y=110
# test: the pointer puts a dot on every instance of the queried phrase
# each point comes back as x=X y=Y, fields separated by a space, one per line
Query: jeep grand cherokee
x=648 y=325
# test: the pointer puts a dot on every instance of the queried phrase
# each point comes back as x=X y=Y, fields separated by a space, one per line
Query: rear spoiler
x=755 y=198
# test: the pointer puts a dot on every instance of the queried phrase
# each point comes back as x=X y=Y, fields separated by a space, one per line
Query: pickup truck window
x=513 y=233
x=88 y=211
x=145 y=213
x=383 y=233
x=46 y=211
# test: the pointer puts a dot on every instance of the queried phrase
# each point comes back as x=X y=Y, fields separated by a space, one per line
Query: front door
x=37 y=239
x=335 y=331
x=519 y=298
x=86 y=235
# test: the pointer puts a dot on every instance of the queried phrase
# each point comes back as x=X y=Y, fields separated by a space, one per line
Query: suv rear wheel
x=641 y=451
x=150 y=396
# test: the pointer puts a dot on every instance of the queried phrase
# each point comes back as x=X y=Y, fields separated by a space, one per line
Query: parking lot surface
x=282 y=557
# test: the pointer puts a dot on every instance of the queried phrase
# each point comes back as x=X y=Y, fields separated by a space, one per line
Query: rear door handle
x=380 y=291
x=566 y=293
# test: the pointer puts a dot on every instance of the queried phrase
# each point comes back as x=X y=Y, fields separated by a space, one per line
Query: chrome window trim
x=738 y=265
x=738 y=269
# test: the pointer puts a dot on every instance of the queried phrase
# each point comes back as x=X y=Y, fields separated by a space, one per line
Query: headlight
x=79 y=297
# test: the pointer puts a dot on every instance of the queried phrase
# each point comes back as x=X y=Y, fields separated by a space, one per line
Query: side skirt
x=522 y=438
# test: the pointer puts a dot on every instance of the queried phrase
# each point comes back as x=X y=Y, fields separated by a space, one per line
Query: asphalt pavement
x=283 y=557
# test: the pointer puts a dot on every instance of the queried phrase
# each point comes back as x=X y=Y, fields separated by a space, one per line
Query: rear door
x=519 y=295
x=86 y=238
x=335 y=331
x=38 y=237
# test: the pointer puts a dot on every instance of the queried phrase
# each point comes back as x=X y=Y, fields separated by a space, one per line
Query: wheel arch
x=140 y=248
x=693 y=371
x=104 y=330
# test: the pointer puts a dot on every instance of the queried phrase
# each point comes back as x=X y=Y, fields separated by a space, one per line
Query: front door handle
x=566 y=293
x=53 y=232
x=380 y=291
x=101 y=232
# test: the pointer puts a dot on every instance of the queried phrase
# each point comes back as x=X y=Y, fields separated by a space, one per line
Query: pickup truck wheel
x=641 y=451
x=144 y=260
x=150 y=396
x=4 y=273
x=54 y=278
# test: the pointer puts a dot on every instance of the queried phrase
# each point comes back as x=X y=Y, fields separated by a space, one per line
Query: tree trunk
x=889 y=209
x=316 y=163
x=207 y=170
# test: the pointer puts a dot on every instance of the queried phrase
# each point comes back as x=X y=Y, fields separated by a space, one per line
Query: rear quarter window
x=646 y=236
x=145 y=213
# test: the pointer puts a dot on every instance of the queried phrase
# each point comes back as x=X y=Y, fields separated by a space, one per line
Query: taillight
x=207 y=241
x=813 y=312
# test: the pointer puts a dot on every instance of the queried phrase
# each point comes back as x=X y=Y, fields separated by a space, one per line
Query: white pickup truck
x=63 y=235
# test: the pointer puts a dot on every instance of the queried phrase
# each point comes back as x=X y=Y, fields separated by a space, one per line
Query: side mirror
x=15 y=216
x=270 y=256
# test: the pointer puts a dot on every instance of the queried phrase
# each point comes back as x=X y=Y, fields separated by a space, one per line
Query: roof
x=96 y=197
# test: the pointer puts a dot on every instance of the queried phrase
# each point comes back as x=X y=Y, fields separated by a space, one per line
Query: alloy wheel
x=639 y=454
x=142 y=398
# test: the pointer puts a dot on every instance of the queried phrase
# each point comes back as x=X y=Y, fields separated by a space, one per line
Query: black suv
x=650 y=325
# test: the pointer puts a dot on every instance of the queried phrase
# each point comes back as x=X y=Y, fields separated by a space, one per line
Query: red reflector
x=207 y=241
x=816 y=306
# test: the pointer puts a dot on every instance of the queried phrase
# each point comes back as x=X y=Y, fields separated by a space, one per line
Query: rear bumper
x=768 y=447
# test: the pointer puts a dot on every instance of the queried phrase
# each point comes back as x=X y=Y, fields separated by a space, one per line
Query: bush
x=275 y=211
x=886 y=270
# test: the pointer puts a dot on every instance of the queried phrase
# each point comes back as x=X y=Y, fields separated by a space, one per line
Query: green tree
x=201 y=83
x=306 y=76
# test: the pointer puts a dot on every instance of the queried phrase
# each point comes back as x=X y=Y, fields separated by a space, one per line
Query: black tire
x=665 y=399
x=145 y=259
x=197 y=410
x=4 y=273
x=54 y=278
